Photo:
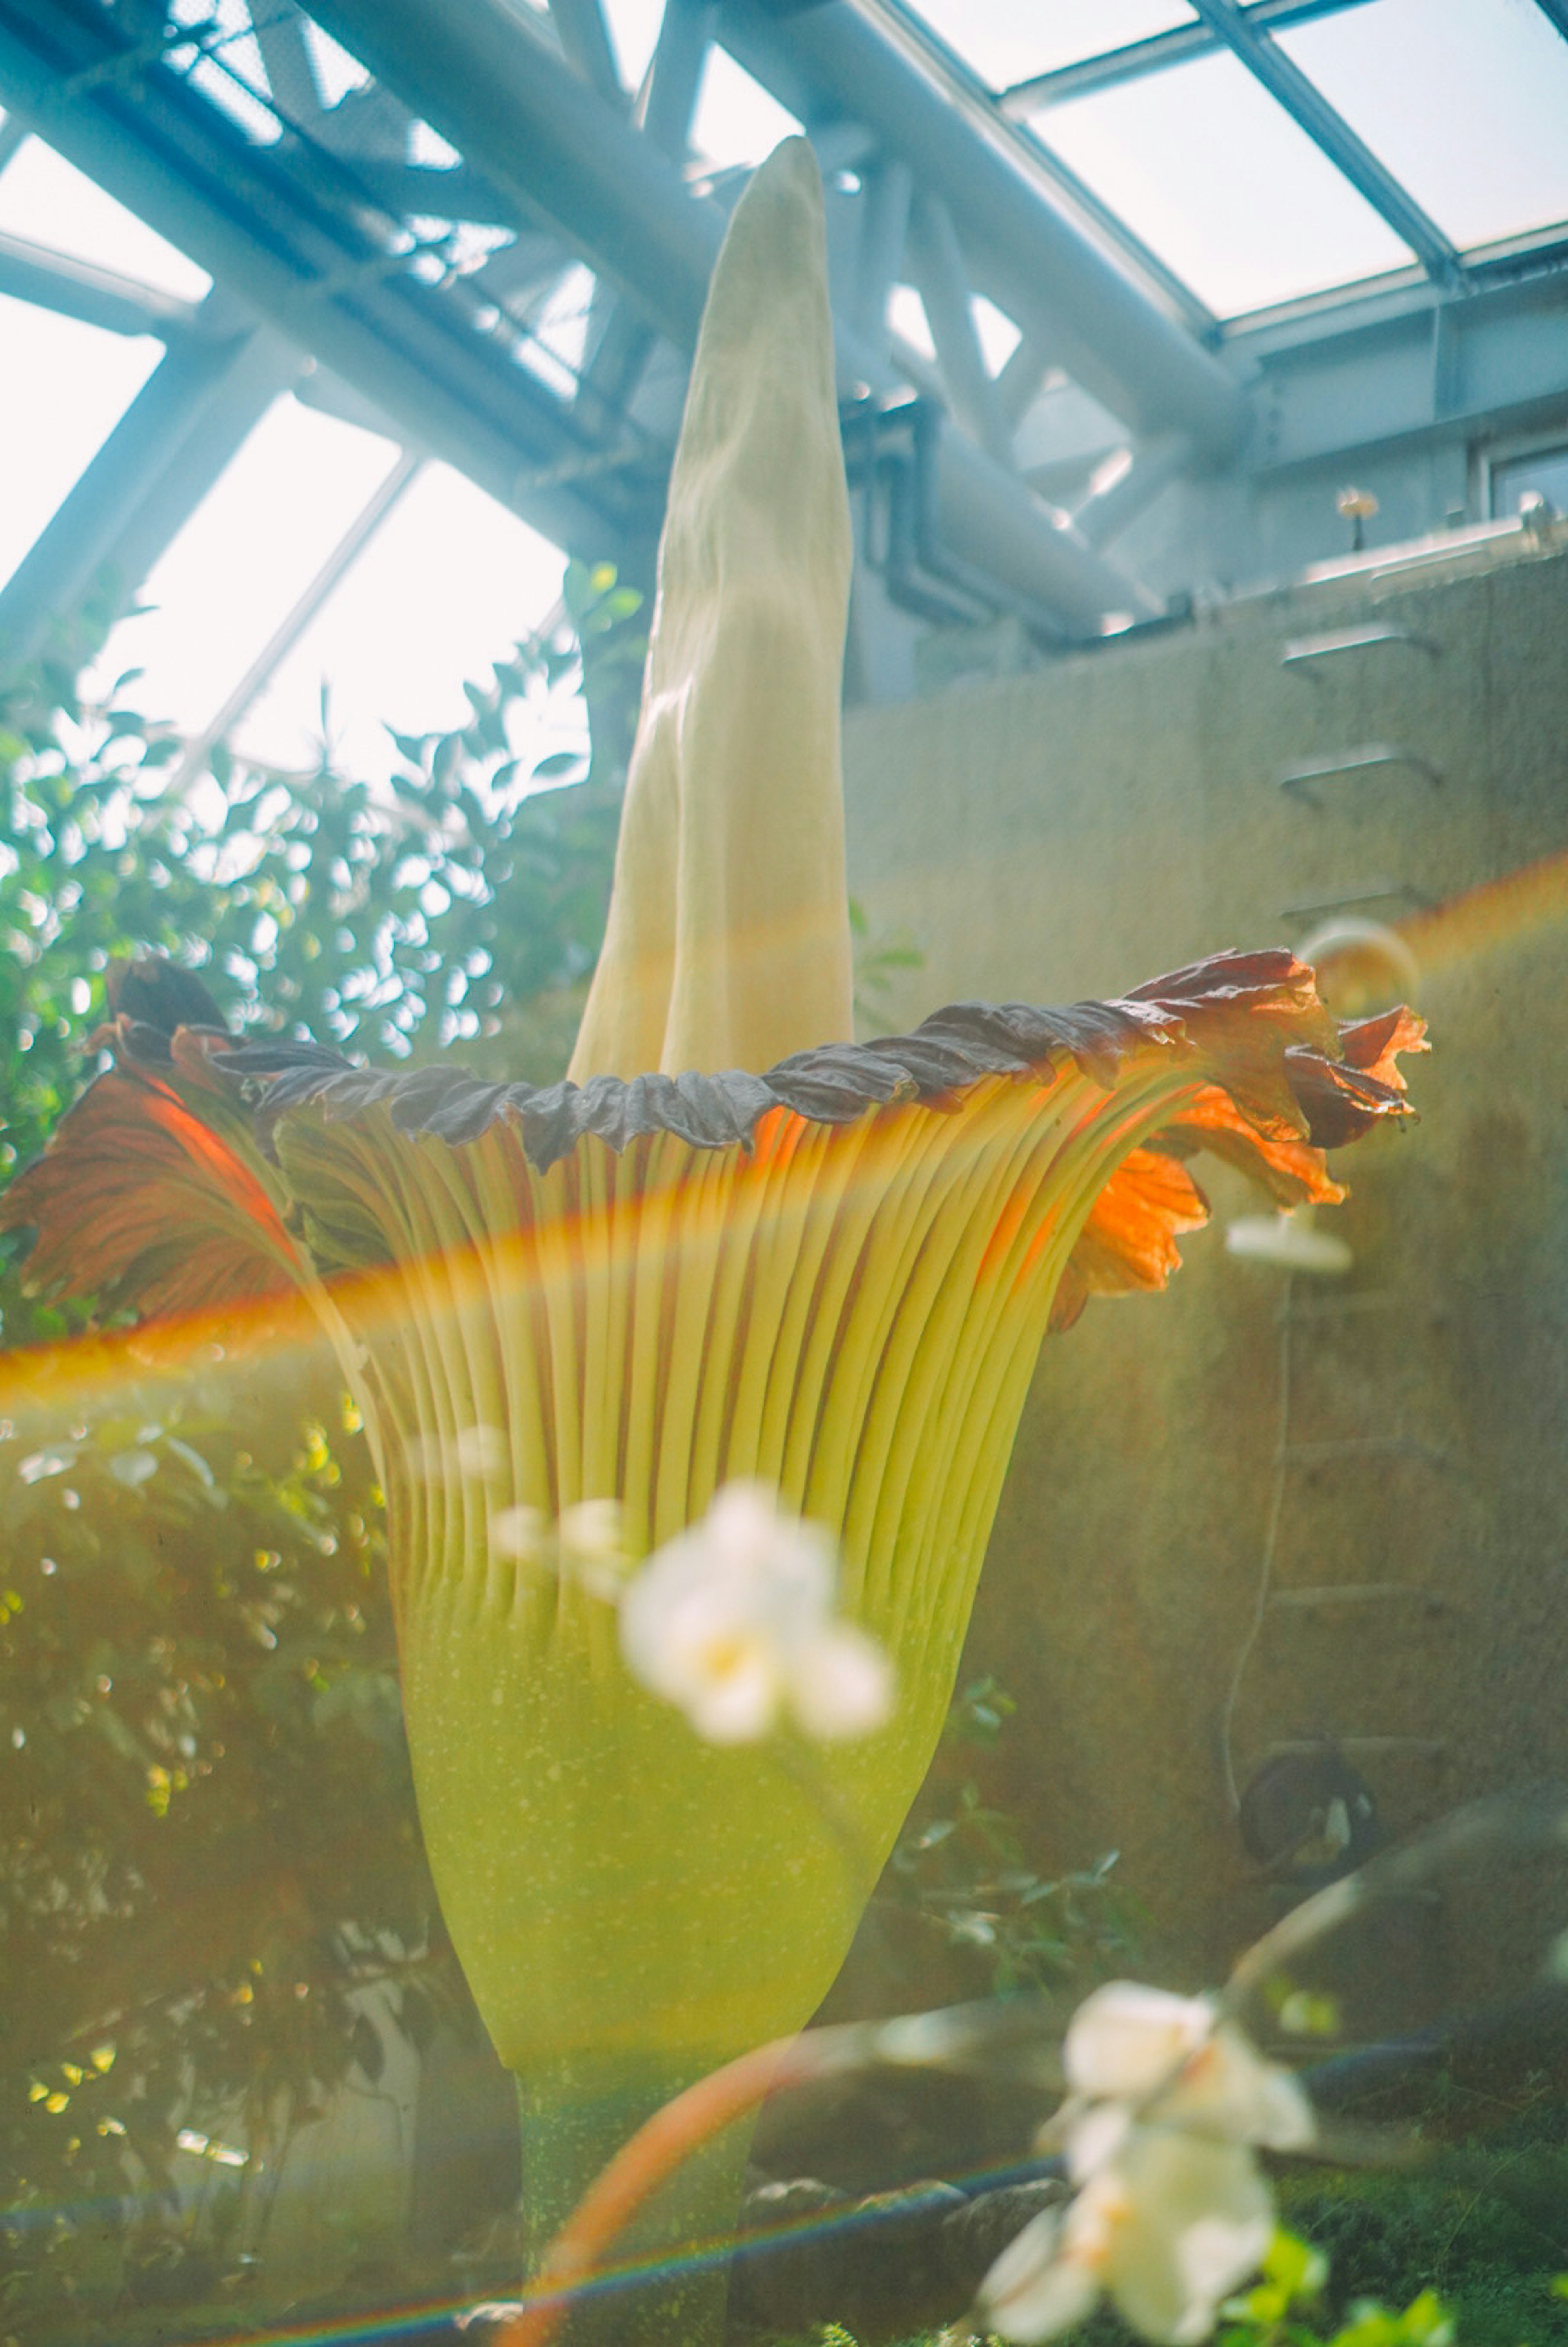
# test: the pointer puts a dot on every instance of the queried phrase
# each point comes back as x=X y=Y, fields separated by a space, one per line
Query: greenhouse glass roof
x=1262 y=152
x=276 y=280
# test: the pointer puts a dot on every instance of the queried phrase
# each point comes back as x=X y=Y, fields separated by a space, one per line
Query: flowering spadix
x=827 y=1272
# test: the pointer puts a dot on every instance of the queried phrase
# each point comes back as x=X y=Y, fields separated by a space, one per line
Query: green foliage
x=878 y=960
x=1275 y=2312
x=397 y=921
x=208 y=1849
x=962 y=1911
x=462 y=904
x=1483 y=2224
x=207 y=1844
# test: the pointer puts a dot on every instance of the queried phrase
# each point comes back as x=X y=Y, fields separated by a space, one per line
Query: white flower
x=1178 y=2065
x=733 y=1620
x=1168 y=2100
x=519 y=1533
x=591 y=1538
x=585 y=1542
x=482 y=1451
x=1169 y=2227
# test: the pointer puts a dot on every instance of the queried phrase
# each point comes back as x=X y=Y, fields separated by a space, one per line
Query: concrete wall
x=1076 y=830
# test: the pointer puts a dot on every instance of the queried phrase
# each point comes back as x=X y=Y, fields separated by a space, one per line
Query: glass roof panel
x=64 y=387
x=1220 y=183
x=228 y=69
x=447 y=585
x=906 y=316
x=998 y=338
x=333 y=69
x=1464 y=100
x=558 y=333
x=47 y=198
x=735 y=119
x=634 y=29
x=243 y=560
x=1009 y=41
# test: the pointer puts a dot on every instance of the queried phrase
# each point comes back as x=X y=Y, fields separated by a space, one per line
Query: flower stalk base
x=670 y=2282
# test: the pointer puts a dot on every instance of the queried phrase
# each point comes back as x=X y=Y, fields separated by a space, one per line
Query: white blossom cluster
x=1167 y=2104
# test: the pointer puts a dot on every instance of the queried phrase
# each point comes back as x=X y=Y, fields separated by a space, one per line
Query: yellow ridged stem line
x=1036 y=1174
x=601 y=1321
x=760 y=1301
x=474 y=1310
x=734 y=1283
x=693 y=1345
x=511 y=1264
x=622 y=1222
x=844 y=1214
x=560 y=1294
x=656 y=1200
x=825 y=1162
x=927 y=1460
x=917 y=1143
x=909 y=1144
x=956 y=1233
x=787 y=1250
x=426 y=1269
x=482 y=1309
x=1026 y=1155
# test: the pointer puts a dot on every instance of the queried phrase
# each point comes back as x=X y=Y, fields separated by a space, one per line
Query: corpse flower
x=733 y=1248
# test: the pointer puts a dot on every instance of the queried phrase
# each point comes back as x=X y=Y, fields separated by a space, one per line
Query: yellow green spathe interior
x=850 y=1315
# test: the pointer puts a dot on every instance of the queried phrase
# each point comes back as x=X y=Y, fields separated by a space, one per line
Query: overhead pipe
x=545 y=138
x=994 y=522
x=229 y=213
x=1106 y=511
x=941 y=281
x=967 y=539
x=517 y=114
x=1057 y=284
x=895 y=555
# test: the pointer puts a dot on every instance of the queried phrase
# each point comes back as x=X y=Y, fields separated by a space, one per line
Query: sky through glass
x=1464 y=100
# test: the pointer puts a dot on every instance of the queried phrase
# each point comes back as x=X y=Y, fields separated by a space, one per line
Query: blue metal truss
x=423 y=291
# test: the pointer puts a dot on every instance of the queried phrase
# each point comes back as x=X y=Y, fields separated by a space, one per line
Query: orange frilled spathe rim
x=160 y=1189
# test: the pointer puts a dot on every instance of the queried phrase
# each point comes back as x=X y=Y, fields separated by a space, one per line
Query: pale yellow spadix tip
x=727 y=944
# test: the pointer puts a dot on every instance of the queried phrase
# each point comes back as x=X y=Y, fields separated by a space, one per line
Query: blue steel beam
x=1053 y=279
x=585 y=45
x=943 y=282
x=1305 y=103
x=1557 y=11
x=294 y=233
x=1370 y=378
x=99 y=297
x=566 y=156
x=1137 y=58
x=534 y=131
x=620 y=338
